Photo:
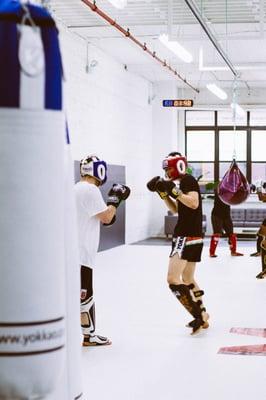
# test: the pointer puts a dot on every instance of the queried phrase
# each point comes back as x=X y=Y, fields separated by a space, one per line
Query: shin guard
x=232 y=244
x=213 y=244
x=262 y=274
x=259 y=240
x=198 y=294
x=184 y=294
x=87 y=309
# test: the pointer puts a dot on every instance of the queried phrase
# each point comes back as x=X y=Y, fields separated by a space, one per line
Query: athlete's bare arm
x=171 y=204
x=191 y=199
x=106 y=216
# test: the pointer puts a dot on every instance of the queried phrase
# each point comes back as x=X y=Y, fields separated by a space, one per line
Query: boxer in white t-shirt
x=91 y=210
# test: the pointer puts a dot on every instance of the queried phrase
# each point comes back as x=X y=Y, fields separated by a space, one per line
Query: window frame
x=216 y=129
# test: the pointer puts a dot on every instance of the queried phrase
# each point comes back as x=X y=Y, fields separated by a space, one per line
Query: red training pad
x=234 y=187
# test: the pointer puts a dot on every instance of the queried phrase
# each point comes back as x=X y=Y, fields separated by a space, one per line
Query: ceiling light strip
x=217 y=91
x=126 y=32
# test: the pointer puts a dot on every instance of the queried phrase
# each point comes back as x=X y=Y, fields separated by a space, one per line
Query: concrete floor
x=153 y=355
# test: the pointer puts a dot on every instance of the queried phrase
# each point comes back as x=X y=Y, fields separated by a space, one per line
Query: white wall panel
x=109 y=114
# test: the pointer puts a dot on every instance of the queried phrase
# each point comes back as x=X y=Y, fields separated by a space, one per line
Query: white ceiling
x=238 y=26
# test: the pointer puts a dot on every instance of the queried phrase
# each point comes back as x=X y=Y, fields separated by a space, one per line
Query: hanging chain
x=234 y=116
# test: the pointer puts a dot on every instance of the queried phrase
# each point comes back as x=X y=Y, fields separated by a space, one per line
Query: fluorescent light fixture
x=118 y=3
x=176 y=48
x=238 y=110
x=217 y=91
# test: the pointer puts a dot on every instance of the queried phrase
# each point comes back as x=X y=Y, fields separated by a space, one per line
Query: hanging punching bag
x=32 y=204
x=74 y=373
x=234 y=187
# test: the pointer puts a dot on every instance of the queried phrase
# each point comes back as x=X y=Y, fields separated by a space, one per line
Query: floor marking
x=246 y=350
x=260 y=332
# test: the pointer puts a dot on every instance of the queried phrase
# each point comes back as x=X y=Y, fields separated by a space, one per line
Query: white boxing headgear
x=177 y=165
x=95 y=167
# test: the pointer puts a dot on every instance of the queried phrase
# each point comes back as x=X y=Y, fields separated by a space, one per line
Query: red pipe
x=125 y=32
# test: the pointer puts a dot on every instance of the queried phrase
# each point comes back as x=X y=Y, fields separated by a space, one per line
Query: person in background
x=222 y=223
x=180 y=193
x=261 y=235
x=91 y=211
x=262 y=274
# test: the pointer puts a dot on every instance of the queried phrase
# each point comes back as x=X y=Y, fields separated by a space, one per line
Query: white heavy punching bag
x=72 y=282
x=32 y=208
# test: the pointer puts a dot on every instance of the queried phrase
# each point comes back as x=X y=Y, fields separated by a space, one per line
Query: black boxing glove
x=117 y=194
x=152 y=186
x=169 y=188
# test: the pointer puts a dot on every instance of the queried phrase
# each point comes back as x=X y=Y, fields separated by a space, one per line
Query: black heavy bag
x=233 y=188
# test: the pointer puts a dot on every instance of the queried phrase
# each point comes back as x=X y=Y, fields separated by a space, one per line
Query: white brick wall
x=108 y=114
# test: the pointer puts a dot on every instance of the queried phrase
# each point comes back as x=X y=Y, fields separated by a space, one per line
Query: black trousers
x=86 y=277
x=221 y=225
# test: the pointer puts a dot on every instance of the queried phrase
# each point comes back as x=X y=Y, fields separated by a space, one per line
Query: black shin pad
x=262 y=274
x=87 y=305
x=183 y=294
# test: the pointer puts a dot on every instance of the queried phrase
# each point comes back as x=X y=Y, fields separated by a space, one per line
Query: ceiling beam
x=196 y=12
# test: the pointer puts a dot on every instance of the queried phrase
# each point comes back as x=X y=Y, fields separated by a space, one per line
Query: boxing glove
x=169 y=188
x=152 y=186
x=117 y=194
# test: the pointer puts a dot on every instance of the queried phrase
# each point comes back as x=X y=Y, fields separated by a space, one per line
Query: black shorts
x=188 y=248
x=221 y=225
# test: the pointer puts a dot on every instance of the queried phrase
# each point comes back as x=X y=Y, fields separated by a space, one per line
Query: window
x=200 y=154
x=202 y=171
x=258 y=145
x=230 y=141
x=258 y=173
x=211 y=142
x=200 y=118
x=258 y=118
x=258 y=155
x=226 y=118
x=200 y=145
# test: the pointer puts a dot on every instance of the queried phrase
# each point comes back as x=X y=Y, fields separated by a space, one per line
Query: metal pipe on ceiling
x=126 y=32
x=196 y=12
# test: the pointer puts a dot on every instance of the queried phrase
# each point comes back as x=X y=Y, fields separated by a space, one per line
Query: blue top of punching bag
x=13 y=14
x=11 y=10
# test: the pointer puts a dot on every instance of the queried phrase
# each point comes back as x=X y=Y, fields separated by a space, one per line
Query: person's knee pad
x=184 y=294
x=87 y=310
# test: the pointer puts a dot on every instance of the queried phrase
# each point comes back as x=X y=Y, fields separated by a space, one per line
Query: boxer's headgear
x=177 y=163
x=95 y=167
